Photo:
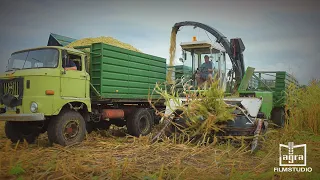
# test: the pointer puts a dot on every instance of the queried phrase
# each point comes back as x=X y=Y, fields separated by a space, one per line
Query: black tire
x=51 y=133
x=156 y=118
x=179 y=121
x=169 y=130
x=89 y=127
x=117 y=122
x=175 y=129
x=278 y=117
x=95 y=126
x=140 y=123
x=67 y=121
x=261 y=115
x=16 y=131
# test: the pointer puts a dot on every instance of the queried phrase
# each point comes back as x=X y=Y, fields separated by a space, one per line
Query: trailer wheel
x=16 y=131
x=140 y=123
x=67 y=128
x=278 y=116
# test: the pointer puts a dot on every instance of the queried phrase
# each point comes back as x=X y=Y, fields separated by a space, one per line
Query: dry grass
x=103 y=156
x=109 y=157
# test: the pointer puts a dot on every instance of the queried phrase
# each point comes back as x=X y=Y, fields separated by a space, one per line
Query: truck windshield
x=40 y=58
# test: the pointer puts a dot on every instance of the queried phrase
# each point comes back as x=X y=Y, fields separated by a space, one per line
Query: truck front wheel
x=67 y=128
x=20 y=131
x=140 y=123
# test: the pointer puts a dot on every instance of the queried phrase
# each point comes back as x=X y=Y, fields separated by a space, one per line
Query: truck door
x=73 y=82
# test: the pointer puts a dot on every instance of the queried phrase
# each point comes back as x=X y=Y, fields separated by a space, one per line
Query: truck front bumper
x=22 y=117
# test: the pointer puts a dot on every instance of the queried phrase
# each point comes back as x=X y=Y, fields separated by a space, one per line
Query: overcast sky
x=278 y=35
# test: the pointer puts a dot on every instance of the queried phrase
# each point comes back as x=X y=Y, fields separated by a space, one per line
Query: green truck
x=110 y=86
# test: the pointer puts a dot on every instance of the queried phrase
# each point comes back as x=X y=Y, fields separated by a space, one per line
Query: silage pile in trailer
x=107 y=40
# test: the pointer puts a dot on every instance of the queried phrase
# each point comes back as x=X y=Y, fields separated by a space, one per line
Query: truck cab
x=40 y=92
x=36 y=89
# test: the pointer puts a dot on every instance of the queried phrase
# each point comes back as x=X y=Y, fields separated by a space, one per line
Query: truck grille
x=11 y=87
x=11 y=91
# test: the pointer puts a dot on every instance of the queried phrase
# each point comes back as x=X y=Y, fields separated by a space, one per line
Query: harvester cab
x=193 y=54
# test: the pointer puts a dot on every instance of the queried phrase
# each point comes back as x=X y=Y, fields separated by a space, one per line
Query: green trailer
x=182 y=74
x=109 y=86
x=183 y=71
x=122 y=75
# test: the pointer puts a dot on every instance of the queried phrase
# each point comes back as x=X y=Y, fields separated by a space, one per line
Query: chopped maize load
x=172 y=52
x=102 y=39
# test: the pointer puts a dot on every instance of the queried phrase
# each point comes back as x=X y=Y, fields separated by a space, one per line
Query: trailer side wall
x=119 y=73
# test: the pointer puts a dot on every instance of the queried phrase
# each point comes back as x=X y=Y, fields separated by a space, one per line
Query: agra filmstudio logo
x=293 y=161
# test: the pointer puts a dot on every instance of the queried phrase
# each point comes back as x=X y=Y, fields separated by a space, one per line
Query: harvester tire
x=67 y=128
x=20 y=131
x=278 y=117
x=140 y=123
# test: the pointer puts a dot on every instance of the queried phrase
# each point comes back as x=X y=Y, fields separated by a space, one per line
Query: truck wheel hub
x=71 y=129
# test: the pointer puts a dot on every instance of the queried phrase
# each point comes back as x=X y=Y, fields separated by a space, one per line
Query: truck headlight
x=34 y=107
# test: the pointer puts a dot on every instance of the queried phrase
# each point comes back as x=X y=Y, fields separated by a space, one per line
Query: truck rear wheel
x=140 y=123
x=278 y=116
x=67 y=128
x=16 y=131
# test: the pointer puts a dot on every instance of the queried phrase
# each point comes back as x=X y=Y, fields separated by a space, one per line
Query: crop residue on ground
x=104 y=156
